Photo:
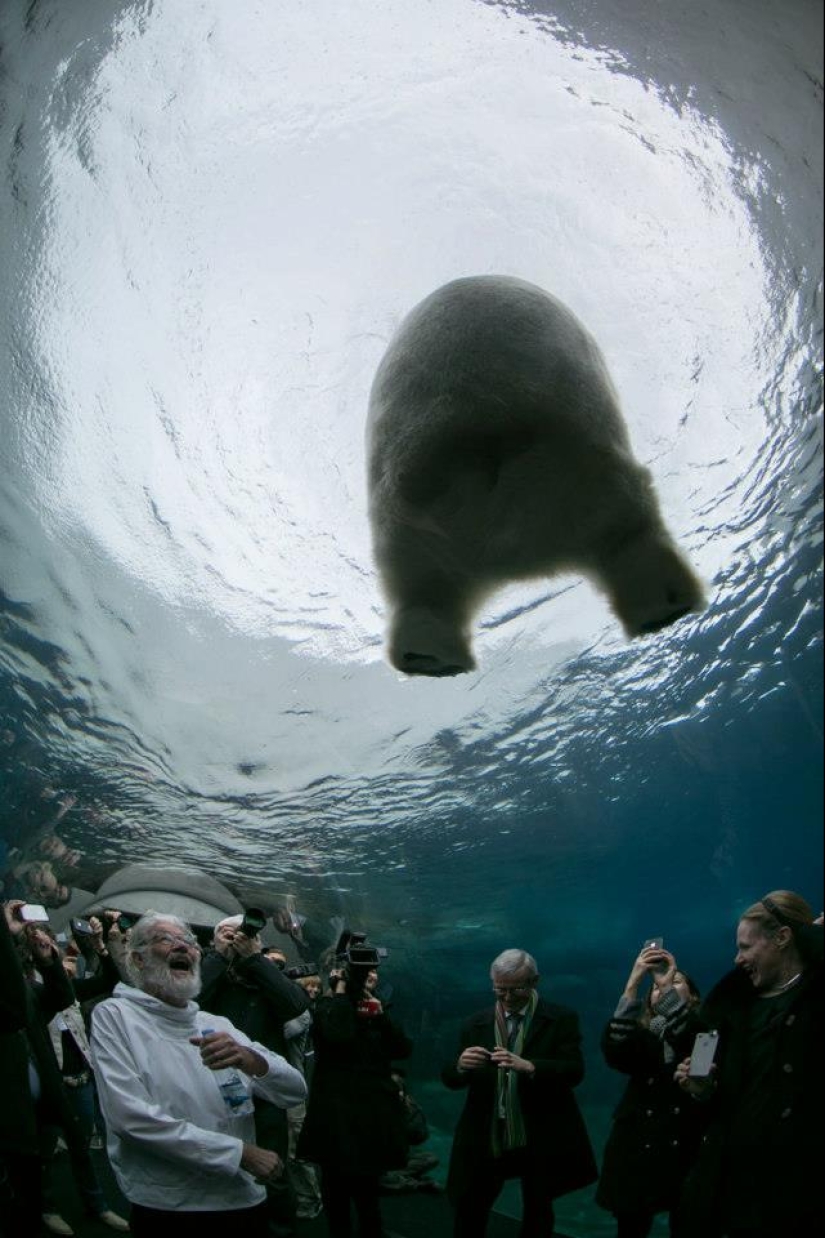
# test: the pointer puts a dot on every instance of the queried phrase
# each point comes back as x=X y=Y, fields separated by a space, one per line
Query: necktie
x=514 y=1023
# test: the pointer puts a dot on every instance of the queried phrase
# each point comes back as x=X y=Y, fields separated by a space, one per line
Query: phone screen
x=702 y=1054
x=654 y=943
x=33 y=913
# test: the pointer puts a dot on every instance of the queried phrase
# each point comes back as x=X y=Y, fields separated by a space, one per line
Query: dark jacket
x=259 y=999
x=25 y=1010
x=557 y=1139
x=770 y=1169
x=657 y=1128
x=252 y=993
x=355 y=1116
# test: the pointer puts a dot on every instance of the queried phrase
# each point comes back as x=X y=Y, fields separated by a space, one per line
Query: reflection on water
x=210 y=228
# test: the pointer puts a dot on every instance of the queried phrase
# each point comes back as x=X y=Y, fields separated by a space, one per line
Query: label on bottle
x=234 y=1090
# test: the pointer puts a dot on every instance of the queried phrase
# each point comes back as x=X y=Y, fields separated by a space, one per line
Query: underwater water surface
x=212 y=218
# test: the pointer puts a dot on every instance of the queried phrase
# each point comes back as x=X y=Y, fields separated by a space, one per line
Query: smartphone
x=702 y=1054
x=654 y=943
x=32 y=913
x=81 y=928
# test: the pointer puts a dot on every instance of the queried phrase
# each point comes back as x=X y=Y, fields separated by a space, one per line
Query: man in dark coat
x=519 y=1061
x=254 y=994
x=31 y=1091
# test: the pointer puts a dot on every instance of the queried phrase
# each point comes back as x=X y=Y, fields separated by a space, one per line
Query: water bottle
x=237 y=1097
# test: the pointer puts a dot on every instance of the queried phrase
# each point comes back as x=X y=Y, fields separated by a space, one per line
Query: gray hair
x=509 y=962
x=141 y=934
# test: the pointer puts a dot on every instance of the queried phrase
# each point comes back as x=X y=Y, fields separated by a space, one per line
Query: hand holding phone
x=702 y=1054
x=32 y=913
x=656 y=943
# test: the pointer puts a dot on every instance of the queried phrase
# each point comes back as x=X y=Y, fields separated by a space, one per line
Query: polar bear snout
x=413 y=663
x=424 y=642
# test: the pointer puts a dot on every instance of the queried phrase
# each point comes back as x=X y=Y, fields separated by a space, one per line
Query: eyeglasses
x=174 y=939
x=516 y=990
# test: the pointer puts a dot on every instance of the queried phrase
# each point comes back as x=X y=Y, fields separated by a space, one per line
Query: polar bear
x=497 y=452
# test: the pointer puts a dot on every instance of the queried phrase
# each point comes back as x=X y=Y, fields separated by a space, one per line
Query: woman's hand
x=699 y=1089
x=663 y=968
x=644 y=964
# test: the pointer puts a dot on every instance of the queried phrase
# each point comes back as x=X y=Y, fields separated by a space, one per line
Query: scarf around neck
x=508 y=1121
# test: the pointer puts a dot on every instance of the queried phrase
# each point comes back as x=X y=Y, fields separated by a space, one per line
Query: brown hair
x=777 y=909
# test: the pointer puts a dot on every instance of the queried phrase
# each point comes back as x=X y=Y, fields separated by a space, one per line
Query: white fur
x=497 y=452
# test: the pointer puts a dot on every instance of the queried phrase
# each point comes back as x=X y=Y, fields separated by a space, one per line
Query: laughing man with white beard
x=181 y=1136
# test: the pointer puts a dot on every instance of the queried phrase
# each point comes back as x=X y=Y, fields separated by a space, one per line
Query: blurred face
x=44 y=887
x=759 y=955
x=371 y=982
x=170 y=966
x=681 y=986
x=513 y=989
x=312 y=987
x=70 y=965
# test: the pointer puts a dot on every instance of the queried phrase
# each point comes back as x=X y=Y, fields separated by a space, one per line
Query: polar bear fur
x=497 y=452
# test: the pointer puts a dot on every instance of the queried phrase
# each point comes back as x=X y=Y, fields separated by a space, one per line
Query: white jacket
x=171 y=1143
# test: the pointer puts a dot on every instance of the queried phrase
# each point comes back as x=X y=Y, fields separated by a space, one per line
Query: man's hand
x=244 y=946
x=223 y=939
x=474 y=1058
x=219 y=1050
x=506 y=1060
x=265 y=1166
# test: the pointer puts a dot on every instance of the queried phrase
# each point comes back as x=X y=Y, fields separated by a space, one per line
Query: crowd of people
x=235 y=1090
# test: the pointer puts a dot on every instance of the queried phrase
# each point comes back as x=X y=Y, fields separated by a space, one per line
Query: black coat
x=355 y=1117
x=657 y=1128
x=557 y=1139
x=784 y=1154
x=25 y=1010
x=254 y=994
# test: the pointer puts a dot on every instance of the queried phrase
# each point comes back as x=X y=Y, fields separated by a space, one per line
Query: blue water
x=209 y=228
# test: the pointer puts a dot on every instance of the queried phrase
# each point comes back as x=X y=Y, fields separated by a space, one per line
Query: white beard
x=158 y=978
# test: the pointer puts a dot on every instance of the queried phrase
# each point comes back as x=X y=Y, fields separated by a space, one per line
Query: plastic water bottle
x=237 y=1097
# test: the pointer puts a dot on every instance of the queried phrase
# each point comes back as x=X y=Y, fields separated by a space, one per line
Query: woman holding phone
x=759 y=1173
x=656 y=1130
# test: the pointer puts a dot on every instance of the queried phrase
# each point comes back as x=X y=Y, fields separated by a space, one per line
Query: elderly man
x=519 y=1061
x=176 y=1088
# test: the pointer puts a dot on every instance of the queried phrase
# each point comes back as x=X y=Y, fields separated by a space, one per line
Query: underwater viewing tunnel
x=213 y=221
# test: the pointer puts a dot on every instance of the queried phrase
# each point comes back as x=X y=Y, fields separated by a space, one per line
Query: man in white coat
x=175 y=1087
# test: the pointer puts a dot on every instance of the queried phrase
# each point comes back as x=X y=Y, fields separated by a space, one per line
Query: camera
x=353 y=950
x=253 y=921
x=301 y=971
x=356 y=957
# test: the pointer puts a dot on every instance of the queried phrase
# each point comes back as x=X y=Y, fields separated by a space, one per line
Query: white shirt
x=171 y=1142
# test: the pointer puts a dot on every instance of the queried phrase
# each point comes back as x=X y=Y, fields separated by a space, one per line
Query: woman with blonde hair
x=759 y=1172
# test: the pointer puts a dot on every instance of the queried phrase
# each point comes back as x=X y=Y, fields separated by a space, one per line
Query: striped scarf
x=508 y=1121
